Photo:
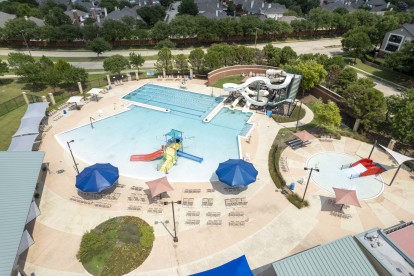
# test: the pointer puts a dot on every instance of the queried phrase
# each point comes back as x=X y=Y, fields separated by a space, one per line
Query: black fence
x=11 y=105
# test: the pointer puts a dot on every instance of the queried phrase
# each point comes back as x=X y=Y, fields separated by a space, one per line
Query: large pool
x=141 y=130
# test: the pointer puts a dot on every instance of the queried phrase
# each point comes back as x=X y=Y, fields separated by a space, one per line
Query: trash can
x=190 y=77
x=65 y=111
x=292 y=186
x=269 y=113
x=109 y=87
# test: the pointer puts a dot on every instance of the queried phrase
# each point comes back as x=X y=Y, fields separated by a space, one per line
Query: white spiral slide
x=245 y=91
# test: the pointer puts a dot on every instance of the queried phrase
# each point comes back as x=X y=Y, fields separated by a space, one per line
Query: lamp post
x=255 y=39
x=71 y=153
x=307 y=183
x=175 y=238
x=373 y=147
x=297 y=122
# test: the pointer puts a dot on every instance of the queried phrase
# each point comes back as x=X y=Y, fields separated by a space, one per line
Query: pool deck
x=273 y=228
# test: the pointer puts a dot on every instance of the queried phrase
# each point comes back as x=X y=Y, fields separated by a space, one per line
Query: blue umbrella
x=96 y=178
x=236 y=173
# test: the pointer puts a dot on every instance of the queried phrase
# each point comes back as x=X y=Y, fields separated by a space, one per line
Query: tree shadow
x=6 y=81
x=34 y=87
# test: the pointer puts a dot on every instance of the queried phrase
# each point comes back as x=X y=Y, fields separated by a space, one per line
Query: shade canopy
x=23 y=143
x=347 y=197
x=31 y=119
x=398 y=157
x=304 y=135
x=236 y=267
x=74 y=99
x=236 y=173
x=159 y=186
x=95 y=91
x=96 y=178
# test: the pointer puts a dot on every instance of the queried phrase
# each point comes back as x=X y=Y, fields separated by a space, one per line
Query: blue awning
x=237 y=267
x=96 y=178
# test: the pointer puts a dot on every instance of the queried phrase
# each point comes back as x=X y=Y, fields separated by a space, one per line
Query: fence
x=11 y=105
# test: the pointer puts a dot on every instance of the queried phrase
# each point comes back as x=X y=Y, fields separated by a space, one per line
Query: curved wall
x=215 y=75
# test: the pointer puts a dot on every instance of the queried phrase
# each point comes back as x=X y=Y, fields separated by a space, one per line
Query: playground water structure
x=289 y=86
x=140 y=131
x=331 y=174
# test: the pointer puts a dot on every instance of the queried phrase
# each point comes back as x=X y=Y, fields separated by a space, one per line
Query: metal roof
x=342 y=257
x=19 y=172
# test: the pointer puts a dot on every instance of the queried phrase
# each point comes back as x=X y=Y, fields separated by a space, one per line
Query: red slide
x=365 y=162
x=147 y=157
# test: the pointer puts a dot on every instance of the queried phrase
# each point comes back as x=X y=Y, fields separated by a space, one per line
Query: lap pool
x=141 y=131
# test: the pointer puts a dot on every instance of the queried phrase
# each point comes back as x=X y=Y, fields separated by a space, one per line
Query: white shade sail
x=398 y=157
x=95 y=91
x=75 y=99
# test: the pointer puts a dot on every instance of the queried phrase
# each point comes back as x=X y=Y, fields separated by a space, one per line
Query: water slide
x=236 y=101
x=170 y=156
x=245 y=91
x=189 y=156
x=147 y=157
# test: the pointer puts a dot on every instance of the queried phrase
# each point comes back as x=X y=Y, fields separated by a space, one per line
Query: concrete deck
x=273 y=228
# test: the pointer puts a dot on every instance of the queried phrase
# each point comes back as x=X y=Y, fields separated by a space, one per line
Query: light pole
x=71 y=153
x=175 y=238
x=307 y=183
x=297 y=122
x=373 y=147
x=255 y=39
x=25 y=41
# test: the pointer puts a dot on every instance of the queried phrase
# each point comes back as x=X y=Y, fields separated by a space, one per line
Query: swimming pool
x=141 y=131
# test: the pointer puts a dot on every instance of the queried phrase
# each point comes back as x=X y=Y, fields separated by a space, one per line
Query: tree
x=364 y=103
x=164 y=61
x=333 y=75
x=312 y=73
x=400 y=116
x=327 y=115
x=273 y=55
x=188 y=7
x=402 y=60
x=245 y=55
x=161 y=30
x=56 y=17
x=152 y=14
x=166 y=43
x=287 y=55
x=4 y=68
x=356 y=43
x=346 y=77
x=52 y=77
x=136 y=60
x=181 y=63
x=115 y=30
x=16 y=60
x=196 y=59
x=213 y=60
x=115 y=64
x=74 y=75
x=99 y=46
x=18 y=27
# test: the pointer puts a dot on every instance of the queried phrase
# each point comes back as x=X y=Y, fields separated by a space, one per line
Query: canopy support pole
x=373 y=147
x=399 y=167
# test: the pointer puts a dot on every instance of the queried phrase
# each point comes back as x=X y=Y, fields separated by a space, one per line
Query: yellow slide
x=170 y=156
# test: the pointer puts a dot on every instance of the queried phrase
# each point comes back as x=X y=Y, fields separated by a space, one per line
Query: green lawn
x=385 y=74
x=232 y=79
x=9 y=123
x=292 y=118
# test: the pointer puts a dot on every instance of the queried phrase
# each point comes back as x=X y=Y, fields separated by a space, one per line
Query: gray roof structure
x=4 y=17
x=19 y=174
x=119 y=14
x=409 y=28
x=211 y=8
x=261 y=7
x=331 y=6
x=342 y=257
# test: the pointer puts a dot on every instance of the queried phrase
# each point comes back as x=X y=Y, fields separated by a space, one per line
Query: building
x=19 y=172
x=374 y=252
x=395 y=39
x=4 y=17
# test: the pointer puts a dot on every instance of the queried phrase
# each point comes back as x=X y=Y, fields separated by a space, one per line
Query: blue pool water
x=193 y=105
x=141 y=130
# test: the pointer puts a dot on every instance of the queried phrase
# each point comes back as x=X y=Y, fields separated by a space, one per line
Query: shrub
x=146 y=236
x=296 y=200
x=92 y=243
x=166 y=43
x=129 y=233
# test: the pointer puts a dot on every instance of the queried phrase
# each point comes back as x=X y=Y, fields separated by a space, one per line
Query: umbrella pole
x=342 y=207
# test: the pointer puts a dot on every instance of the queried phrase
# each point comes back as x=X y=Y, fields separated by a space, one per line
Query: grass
x=232 y=79
x=386 y=74
x=116 y=246
x=293 y=117
x=9 y=124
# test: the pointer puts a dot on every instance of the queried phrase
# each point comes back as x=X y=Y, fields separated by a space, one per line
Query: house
x=333 y=5
x=4 y=17
x=211 y=9
x=395 y=39
x=289 y=18
x=118 y=14
x=77 y=16
x=260 y=7
x=37 y=21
